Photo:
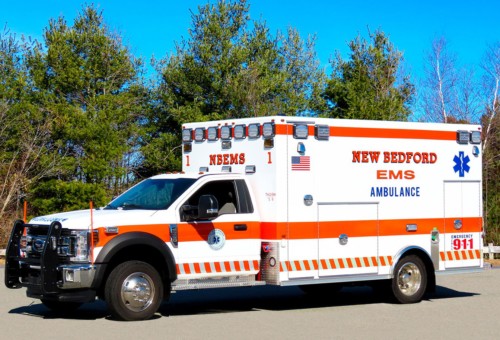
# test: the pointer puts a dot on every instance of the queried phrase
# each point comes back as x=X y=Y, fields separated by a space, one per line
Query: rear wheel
x=134 y=291
x=410 y=280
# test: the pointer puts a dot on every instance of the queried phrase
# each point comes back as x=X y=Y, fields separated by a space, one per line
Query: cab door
x=226 y=245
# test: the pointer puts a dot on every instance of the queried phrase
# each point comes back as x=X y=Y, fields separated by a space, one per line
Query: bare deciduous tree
x=491 y=84
x=438 y=85
x=448 y=94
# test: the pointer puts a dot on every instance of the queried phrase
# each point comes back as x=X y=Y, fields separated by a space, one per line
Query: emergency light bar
x=254 y=130
x=475 y=137
x=239 y=132
x=225 y=132
x=212 y=133
x=466 y=137
x=199 y=134
x=187 y=135
x=268 y=130
x=462 y=137
x=322 y=132
x=300 y=131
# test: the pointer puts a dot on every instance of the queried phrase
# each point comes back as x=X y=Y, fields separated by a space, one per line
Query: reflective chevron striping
x=460 y=255
x=217 y=267
x=337 y=263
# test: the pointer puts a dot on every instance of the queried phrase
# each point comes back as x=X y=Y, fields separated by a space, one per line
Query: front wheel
x=410 y=280
x=133 y=291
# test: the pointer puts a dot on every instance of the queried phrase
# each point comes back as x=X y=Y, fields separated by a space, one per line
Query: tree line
x=80 y=121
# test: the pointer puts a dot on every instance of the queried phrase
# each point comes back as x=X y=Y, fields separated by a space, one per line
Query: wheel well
x=429 y=267
x=142 y=253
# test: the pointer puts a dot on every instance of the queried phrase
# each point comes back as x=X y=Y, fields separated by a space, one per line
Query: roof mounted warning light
x=475 y=137
x=187 y=135
x=462 y=137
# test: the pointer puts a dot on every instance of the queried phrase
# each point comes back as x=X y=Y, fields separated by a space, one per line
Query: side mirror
x=189 y=212
x=208 y=207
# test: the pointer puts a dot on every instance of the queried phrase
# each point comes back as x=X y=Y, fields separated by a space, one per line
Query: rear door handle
x=240 y=227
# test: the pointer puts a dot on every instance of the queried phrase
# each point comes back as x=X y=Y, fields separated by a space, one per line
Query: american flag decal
x=301 y=163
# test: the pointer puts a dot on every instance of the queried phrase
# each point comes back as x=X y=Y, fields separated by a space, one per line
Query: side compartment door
x=348 y=238
x=462 y=224
x=227 y=245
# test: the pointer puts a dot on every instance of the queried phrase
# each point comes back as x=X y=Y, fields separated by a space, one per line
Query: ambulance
x=287 y=201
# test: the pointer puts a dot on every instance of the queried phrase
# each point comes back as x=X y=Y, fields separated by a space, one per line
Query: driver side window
x=223 y=191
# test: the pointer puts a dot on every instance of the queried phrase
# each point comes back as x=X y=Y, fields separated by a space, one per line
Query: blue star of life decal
x=461 y=164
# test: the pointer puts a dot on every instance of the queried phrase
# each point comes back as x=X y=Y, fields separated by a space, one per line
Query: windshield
x=152 y=194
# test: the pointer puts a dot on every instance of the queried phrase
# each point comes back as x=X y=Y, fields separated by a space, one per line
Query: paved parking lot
x=465 y=306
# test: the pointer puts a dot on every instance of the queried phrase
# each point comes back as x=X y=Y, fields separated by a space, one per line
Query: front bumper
x=46 y=277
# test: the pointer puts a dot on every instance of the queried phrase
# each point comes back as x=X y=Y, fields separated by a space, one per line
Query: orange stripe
x=207 y=267
x=246 y=265
x=197 y=268
x=315 y=264
x=187 y=270
x=227 y=266
x=288 y=266
x=255 y=264
x=237 y=266
x=374 y=261
x=366 y=261
x=478 y=254
x=323 y=264
x=218 y=268
x=306 y=265
x=301 y=230
x=200 y=231
x=338 y=131
x=441 y=255
x=358 y=262
x=450 y=255
x=341 y=264
x=389 y=258
x=178 y=268
x=382 y=261
x=344 y=131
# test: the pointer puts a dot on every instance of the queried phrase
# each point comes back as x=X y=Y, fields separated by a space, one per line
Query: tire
x=410 y=280
x=133 y=291
x=60 y=307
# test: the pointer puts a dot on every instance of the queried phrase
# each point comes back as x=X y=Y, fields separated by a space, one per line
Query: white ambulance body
x=272 y=200
x=344 y=200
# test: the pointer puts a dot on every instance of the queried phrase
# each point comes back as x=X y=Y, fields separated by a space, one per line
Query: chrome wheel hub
x=137 y=291
x=409 y=279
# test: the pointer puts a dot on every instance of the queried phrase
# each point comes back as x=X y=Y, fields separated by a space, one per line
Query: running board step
x=222 y=282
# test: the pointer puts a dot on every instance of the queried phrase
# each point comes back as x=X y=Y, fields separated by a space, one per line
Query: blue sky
x=151 y=27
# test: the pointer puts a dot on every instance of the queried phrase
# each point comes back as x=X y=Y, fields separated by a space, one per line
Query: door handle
x=240 y=227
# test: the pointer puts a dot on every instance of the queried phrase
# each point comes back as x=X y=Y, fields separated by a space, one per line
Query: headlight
x=81 y=246
x=73 y=245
